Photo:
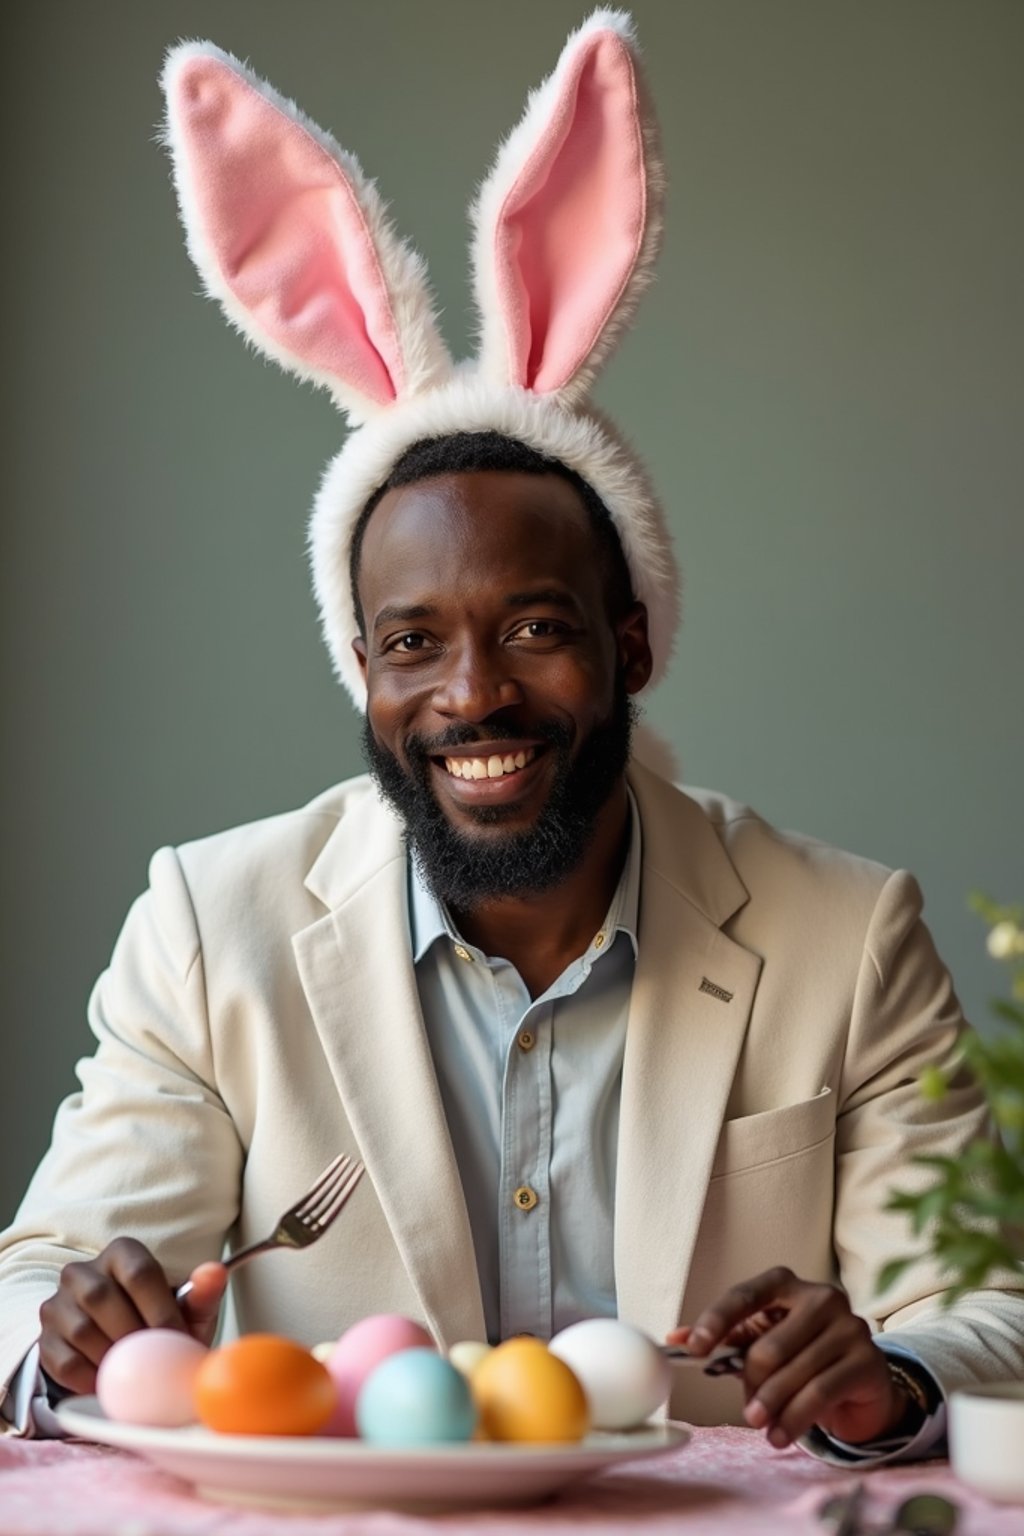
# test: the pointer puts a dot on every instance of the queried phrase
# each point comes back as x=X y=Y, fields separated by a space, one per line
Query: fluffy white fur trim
x=509 y=163
x=469 y=404
x=425 y=357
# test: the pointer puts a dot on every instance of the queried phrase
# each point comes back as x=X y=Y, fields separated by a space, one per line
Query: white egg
x=622 y=1371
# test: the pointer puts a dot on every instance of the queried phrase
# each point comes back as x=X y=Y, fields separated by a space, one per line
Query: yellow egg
x=524 y=1392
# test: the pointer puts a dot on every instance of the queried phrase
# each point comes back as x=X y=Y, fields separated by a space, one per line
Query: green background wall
x=826 y=381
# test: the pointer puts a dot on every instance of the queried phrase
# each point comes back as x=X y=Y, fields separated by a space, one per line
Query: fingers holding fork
x=303 y=1224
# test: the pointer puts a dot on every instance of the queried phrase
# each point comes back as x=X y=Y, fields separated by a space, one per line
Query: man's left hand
x=809 y=1360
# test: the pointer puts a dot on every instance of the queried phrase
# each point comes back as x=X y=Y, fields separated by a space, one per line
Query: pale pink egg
x=148 y=1377
x=358 y=1352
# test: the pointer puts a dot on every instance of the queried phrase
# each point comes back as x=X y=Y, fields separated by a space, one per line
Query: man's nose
x=476 y=681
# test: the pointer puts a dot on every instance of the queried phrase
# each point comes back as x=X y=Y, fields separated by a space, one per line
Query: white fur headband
x=293 y=240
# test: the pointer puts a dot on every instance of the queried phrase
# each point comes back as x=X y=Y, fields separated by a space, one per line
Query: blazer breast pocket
x=751 y=1141
x=769 y=1200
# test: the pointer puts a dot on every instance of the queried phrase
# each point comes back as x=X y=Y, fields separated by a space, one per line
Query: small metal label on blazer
x=715 y=990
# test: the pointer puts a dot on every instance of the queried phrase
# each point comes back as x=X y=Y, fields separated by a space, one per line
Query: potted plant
x=972 y=1216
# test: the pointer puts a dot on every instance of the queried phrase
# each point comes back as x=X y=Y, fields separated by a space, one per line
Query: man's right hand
x=122 y=1290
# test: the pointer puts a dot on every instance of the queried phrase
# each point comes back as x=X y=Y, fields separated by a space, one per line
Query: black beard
x=462 y=870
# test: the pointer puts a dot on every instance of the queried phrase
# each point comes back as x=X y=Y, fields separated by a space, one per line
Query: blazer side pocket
x=750 y=1141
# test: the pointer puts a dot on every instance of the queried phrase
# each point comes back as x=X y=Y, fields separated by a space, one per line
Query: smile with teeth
x=493 y=767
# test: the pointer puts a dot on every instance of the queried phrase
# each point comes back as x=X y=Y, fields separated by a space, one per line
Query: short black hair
x=467 y=452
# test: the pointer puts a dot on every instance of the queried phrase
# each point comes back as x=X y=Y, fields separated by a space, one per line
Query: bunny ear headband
x=293 y=240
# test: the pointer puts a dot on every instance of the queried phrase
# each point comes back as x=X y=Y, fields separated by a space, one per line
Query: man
x=605 y=1048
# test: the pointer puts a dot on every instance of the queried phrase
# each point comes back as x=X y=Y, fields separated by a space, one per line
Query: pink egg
x=358 y=1352
x=147 y=1378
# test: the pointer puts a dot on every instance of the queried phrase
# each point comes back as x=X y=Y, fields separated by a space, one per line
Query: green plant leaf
x=890 y=1273
x=985 y=907
x=971 y=1216
x=930 y=1207
x=992 y=912
x=933 y=1084
x=1008 y=1109
x=900 y=1200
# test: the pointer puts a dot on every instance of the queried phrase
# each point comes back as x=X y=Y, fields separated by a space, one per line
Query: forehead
x=456 y=536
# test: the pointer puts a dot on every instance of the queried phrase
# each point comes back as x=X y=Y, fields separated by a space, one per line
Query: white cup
x=986 y=1439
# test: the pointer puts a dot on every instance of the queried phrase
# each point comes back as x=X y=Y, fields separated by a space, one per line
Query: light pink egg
x=148 y=1377
x=358 y=1352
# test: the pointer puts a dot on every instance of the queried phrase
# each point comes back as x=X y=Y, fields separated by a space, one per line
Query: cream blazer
x=260 y=1014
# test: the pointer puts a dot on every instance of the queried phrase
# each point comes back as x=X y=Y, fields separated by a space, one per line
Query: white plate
x=318 y=1473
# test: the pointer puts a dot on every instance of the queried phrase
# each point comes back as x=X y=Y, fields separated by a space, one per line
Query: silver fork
x=720 y=1362
x=306 y=1220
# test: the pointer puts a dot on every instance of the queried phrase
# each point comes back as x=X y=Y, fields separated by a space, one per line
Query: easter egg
x=263 y=1385
x=416 y=1397
x=622 y=1371
x=524 y=1392
x=359 y=1351
x=467 y=1355
x=149 y=1378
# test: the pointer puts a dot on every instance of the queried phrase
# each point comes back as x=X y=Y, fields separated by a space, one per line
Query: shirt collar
x=430 y=920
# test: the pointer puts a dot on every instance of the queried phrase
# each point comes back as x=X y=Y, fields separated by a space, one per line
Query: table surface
x=724 y=1481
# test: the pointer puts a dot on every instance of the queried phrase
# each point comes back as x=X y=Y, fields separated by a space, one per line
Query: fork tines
x=330 y=1192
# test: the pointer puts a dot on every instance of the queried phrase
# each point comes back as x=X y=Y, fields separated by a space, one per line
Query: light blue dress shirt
x=531 y=1094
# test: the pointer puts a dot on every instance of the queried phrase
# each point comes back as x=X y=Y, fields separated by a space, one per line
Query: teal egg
x=416 y=1397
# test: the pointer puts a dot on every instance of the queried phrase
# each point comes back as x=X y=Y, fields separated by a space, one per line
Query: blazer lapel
x=692 y=995
x=356 y=969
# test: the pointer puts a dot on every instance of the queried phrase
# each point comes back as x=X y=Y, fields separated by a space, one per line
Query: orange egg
x=263 y=1385
x=524 y=1392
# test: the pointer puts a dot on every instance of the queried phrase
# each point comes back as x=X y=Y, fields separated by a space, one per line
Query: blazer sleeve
x=146 y=1147
x=905 y=1015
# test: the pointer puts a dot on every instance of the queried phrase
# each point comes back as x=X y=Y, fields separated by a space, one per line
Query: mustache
x=420 y=748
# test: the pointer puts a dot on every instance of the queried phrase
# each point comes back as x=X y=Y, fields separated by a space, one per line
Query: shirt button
x=463 y=953
x=525 y=1040
x=525 y=1197
x=599 y=941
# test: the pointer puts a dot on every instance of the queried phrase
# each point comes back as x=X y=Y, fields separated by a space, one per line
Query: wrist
x=899 y=1411
x=912 y=1397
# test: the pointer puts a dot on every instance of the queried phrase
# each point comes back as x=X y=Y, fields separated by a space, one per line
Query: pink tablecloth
x=725 y=1481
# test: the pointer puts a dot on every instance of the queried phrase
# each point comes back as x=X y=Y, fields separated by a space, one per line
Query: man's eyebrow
x=544 y=597
x=393 y=614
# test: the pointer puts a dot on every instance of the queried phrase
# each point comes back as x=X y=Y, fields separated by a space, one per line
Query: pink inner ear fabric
x=280 y=220
x=571 y=227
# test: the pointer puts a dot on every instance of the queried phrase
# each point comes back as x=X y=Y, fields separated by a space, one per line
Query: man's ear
x=359 y=646
x=634 y=648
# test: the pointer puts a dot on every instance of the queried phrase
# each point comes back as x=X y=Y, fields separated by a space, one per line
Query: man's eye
x=407 y=644
x=538 y=629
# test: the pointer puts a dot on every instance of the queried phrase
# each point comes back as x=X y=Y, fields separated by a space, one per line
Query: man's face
x=498 y=684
